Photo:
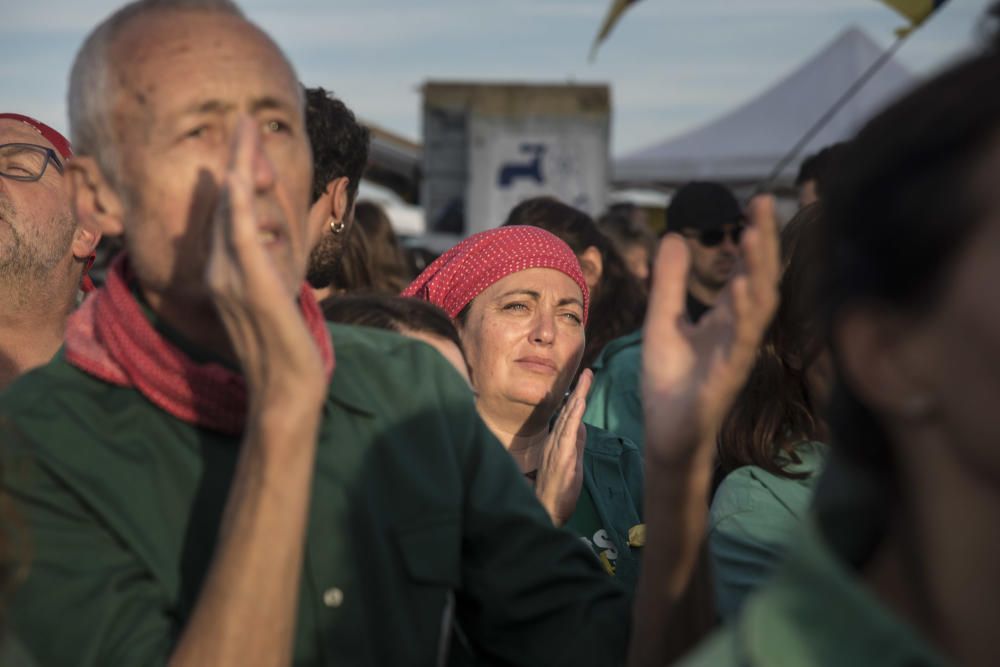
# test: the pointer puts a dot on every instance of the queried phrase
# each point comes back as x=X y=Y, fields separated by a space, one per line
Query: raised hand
x=260 y=313
x=560 y=474
x=692 y=372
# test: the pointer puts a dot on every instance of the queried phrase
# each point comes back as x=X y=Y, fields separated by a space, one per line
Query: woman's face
x=524 y=338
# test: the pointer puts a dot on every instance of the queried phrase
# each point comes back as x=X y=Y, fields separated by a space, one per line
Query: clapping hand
x=560 y=475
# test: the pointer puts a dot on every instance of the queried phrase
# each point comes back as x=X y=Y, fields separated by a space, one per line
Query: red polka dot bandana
x=461 y=274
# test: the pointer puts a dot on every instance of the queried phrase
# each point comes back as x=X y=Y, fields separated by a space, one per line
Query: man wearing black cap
x=710 y=219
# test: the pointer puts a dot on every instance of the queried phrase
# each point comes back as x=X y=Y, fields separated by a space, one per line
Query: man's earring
x=337 y=226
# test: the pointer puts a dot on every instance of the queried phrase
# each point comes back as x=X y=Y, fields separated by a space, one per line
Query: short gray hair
x=92 y=86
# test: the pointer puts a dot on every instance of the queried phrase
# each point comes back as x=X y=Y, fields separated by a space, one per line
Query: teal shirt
x=416 y=511
x=615 y=399
x=754 y=518
x=817 y=611
x=610 y=501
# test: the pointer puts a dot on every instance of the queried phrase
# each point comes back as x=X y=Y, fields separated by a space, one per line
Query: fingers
x=761 y=251
x=583 y=385
x=754 y=294
x=239 y=182
x=668 y=293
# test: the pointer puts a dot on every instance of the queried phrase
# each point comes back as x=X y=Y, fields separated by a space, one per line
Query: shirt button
x=333 y=597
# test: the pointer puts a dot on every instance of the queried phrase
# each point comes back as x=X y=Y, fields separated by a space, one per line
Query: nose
x=264 y=173
x=543 y=328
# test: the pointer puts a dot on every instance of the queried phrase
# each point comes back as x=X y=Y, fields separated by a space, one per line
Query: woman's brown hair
x=386 y=261
x=777 y=408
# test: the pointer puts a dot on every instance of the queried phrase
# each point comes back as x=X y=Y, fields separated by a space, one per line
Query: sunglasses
x=711 y=238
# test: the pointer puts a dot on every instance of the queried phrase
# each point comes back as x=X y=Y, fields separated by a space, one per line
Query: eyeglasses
x=714 y=237
x=26 y=162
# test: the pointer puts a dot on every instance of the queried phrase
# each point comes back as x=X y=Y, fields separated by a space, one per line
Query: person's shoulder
x=375 y=366
x=746 y=489
x=39 y=390
x=620 y=352
x=364 y=340
x=369 y=350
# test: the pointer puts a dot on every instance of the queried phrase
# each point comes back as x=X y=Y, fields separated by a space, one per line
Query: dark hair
x=339 y=143
x=389 y=272
x=776 y=409
x=624 y=232
x=910 y=193
x=820 y=166
x=352 y=272
x=393 y=313
x=618 y=302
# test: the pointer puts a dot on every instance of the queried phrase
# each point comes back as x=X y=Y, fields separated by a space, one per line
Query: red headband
x=461 y=274
x=58 y=141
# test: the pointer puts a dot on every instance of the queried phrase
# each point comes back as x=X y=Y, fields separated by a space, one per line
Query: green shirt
x=817 y=611
x=615 y=399
x=754 y=518
x=415 y=505
x=610 y=502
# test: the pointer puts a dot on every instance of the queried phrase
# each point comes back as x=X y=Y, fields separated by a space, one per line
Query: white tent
x=744 y=145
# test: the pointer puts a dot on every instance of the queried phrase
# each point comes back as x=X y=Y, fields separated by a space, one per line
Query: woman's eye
x=573 y=317
x=515 y=306
x=197 y=133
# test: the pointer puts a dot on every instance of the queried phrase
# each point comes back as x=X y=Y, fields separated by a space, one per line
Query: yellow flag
x=917 y=11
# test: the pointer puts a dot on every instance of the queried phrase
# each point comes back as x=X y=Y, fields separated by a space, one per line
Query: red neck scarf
x=110 y=338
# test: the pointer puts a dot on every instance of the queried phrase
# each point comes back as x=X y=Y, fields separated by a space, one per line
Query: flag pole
x=832 y=111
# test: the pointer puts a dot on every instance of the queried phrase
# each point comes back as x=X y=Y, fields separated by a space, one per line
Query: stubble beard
x=323 y=261
x=26 y=262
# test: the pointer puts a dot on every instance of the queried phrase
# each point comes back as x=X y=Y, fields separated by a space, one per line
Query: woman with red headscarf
x=520 y=302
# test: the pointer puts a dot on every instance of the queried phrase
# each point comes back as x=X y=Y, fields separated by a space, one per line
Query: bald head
x=105 y=70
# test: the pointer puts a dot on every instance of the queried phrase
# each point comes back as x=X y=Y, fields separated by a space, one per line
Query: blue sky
x=672 y=64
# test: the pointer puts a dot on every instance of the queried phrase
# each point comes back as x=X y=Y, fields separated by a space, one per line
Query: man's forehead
x=17 y=132
x=179 y=45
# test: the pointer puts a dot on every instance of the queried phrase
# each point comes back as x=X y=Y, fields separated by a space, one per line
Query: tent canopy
x=743 y=146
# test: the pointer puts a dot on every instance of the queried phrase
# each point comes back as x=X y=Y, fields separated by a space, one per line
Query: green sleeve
x=81 y=580
x=615 y=401
x=749 y=534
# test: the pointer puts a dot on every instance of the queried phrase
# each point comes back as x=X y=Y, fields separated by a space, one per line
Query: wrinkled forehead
x=170 y=58
x=16 y=132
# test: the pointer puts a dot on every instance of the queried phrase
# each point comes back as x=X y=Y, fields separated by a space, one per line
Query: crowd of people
x=266 y=439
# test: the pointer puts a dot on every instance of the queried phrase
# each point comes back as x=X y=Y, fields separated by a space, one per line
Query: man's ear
x=592 y=265
x=85 y=240
x=339 y=199
x=97 y=207
x=880 y=353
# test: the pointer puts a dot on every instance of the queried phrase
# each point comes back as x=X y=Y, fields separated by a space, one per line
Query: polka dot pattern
x=466 y=270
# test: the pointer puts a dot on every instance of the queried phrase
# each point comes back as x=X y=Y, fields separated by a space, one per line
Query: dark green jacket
x=414 y=505
x=613 y=479
x=615 y=399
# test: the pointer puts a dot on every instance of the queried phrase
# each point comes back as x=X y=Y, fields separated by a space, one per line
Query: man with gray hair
x=204 y=482
x=43 y=252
